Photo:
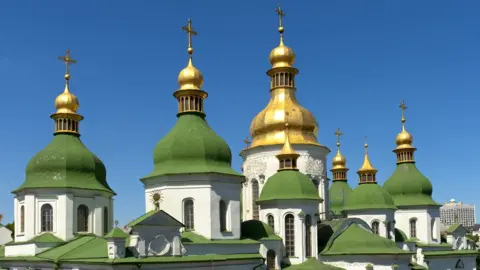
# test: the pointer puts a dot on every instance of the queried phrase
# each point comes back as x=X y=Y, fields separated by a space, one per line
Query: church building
x=281 y=212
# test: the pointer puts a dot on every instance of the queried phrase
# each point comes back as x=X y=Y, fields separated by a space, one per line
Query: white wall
x=64 y=204
x=359 y=262
x=428 y=222
x=380 y=215
x=448 y=263
x=282 y=208
x=260 y=163
x=5 y=236
x=206 y=191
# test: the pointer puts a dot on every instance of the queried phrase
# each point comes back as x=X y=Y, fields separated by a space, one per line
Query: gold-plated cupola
x=404 y=141
x=339 y=162
x=367 y=172
x=268 y=127
x=190 y=95
x=66 y=118
x=287 y=156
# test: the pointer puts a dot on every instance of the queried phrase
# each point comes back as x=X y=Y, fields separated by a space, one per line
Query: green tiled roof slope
x=338 y=193
x=66 y=163
x=288 y=185
x=116 y=233
x=355 y=240
x=42 y=238
x=408 y=186
x=313 y=264
x=192 y=146
x=257 y=230
x=369 y=196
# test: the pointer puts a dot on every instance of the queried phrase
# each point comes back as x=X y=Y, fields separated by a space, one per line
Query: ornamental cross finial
x=247 y=142
x=190 y=32
x=116 y=223
x=404 y=108
x=67 y=59
x=280 y=14
x=338 y=133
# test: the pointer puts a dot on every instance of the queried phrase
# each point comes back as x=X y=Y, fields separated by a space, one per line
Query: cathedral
x=281 y=212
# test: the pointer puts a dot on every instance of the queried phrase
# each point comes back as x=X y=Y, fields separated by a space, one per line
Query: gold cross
x=281 y=14
x=403 y=107
x=338 y=133
x=67 y=59
x=247 y=141
x=190 y=32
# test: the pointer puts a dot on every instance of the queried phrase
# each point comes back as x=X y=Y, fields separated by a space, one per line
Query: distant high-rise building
x=453 y=212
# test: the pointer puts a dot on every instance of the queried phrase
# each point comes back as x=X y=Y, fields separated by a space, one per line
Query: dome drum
x=190 y=100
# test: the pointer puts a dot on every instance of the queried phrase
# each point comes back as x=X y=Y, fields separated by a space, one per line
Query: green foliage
x=395 y=266
x=11 y=227
x=369 y=267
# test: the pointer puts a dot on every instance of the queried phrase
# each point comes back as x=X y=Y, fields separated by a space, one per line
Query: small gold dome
x=282 y=56
x=367 y=165
x=66 y=102
x=339 y=161
x=190 y=78
x=404 y=140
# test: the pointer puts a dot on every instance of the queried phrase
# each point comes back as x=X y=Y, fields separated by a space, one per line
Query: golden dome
x=339 y=161
x=268 y=127
x=367 y=165
x=66 y=102
x=282 y=56
x=404 y=139
x=190 y=78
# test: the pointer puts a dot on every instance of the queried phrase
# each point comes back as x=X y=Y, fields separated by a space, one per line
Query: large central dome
x=268 y=127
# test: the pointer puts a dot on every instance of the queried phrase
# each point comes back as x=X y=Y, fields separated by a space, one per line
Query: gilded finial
x=404 y=140
x=287 y=156
x=247 y=142
x=339 y=162
x=367 y=172
x=403 y=107
x=190 y=78
x=280 y=14
x=190 y=32
x=67 y=59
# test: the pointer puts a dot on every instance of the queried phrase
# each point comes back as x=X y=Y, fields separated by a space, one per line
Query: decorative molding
x=315 y=168
x=255 y=168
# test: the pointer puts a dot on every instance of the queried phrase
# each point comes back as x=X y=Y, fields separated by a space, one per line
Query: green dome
x=289 y=185
x=338 y=193
x=66 y=163
x=369 y=196
x=257 y=230
x=408 y=186
x=192 y=146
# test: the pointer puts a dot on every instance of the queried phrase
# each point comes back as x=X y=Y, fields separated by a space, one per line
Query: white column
x=97 y=215
x=30 y=214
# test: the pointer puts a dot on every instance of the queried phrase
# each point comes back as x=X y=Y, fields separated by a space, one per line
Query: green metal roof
x=66 y=163
x=257 y=230
x=369 y=196
x=192 y=146
x=409 y=187
x=288 y=185
x=338 y=193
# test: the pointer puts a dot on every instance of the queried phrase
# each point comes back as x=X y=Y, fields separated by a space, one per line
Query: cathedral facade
x=280 y=213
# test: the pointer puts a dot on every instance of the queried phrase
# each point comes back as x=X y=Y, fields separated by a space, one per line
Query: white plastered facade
x=261 y=162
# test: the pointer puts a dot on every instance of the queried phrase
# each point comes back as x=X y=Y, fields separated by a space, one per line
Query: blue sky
x=357 y=61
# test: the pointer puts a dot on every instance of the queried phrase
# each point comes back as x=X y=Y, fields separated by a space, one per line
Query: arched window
x=290 y=235
x=433 y=229
x=271 y=260
x=375 y=227
x=413 y=227
x=22 y=218
x=188 y=217
x=271 y=221
x=105 y=220
x=46 y=218
x=255 y=195
x=308 y=235
x=223 y=216
x=82 y=218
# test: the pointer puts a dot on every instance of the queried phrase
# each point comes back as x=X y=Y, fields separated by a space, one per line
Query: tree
x=11 y=227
